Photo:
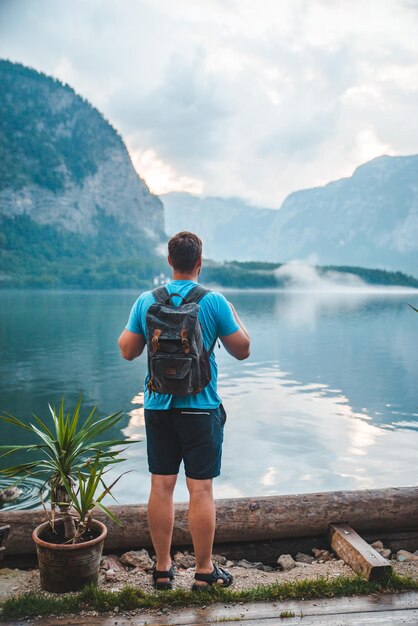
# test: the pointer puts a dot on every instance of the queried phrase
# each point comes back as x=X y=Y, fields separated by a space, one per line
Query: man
x=186 y=427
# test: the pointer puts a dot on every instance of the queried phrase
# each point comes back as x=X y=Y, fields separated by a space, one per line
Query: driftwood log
x=262 y=519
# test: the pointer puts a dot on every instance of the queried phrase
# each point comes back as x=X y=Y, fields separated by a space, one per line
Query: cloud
x=254 y=99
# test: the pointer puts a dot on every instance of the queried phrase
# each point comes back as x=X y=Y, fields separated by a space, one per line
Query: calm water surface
x=328 y=399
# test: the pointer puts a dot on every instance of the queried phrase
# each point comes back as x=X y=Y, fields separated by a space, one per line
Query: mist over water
x=326 y=401
x=304 y=276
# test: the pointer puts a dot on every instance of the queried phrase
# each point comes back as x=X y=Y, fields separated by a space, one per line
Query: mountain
x=230 y=228
x=68 y=189
x=369 y=219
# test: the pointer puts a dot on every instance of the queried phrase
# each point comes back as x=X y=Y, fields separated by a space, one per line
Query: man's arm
x=238 y=343
x=131 y=344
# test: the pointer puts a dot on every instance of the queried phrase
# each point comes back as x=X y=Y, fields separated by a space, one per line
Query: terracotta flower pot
x=68 y=567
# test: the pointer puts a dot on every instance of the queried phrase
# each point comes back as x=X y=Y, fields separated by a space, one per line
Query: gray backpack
x=178 y=362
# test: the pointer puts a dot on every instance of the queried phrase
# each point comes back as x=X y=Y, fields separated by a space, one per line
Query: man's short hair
x=184 y=249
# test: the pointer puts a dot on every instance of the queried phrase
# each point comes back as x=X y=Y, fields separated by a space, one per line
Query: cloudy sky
x=247 y=98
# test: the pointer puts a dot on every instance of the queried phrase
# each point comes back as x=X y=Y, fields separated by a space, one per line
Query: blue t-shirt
x=217 y=320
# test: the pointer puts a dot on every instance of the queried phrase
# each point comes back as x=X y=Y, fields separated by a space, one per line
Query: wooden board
x=390 y=609
x=357 y=553
x=248 y=519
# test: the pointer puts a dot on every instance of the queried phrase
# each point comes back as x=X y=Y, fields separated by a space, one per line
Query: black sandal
x=163 y=586
x=211 y=579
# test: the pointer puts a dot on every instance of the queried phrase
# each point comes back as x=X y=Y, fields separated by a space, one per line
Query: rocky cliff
x=63 y=164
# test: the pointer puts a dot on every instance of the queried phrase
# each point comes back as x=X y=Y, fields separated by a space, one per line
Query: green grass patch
x=129 y=598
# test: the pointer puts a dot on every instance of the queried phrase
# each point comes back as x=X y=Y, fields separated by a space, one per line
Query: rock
x=301 y=557
x=324 y=555
x=111 y=561
x=377 y=545
x=138 y=558
x=268 y=568
x=404 y=555
x=219 y=559
x=258 y=565
x=244 y=563
x=386 y=553
x=9 y=494
x=110 y=575
x=229 y=564
x=184 y=560
x=302 y=564
x=416 y=552
x=286 y=562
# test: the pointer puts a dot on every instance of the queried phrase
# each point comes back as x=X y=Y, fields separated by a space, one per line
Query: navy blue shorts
x=192 y=435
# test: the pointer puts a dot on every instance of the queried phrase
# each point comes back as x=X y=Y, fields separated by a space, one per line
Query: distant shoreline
x=367 y=290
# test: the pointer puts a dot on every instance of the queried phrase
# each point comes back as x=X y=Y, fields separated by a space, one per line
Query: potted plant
x=72 y=463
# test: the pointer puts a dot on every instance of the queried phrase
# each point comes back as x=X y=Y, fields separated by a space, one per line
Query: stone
x=318 y=553
x=258 y=565
x=415 y=552
x=138 y=558
x=184 y=560
x=219 y=559
x=302 y=564
x=110 y=575
x=386 y=553
x=301 y=557
x=377 y=545
x=229 y=564
x=268 y=568
x=111 y=561
x=286 y=562
x=9 y=494
x=244 y=563
x=404 y=555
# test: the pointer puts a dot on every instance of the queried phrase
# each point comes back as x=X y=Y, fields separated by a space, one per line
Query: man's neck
x=180 y=276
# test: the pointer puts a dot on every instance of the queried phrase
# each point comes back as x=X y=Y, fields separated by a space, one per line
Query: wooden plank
x=357 y=553
x=374 y=609
x=248 y=519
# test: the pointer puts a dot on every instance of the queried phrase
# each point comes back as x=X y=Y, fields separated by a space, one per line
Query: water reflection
x=326 y=401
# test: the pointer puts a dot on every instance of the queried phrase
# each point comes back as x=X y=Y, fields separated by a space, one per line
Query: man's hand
x=238 y=343
x=131 y=344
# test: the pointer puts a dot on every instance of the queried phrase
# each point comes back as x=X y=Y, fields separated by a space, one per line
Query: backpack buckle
x=184 y=341
x=154 y=341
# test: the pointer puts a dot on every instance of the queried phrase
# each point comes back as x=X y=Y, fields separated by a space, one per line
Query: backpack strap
x=160 y=294
x=196 y=294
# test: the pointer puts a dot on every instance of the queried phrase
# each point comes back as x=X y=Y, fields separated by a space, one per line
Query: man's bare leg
x=202 y=521
x=161 y=518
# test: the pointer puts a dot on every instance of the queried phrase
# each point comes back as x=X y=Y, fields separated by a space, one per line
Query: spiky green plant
x=84 y=499
x=67 y=447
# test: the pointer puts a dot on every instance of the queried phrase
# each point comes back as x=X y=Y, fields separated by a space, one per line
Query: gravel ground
x=14 y=581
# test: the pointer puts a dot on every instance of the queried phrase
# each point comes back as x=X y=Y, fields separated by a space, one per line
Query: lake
x=328 y=399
